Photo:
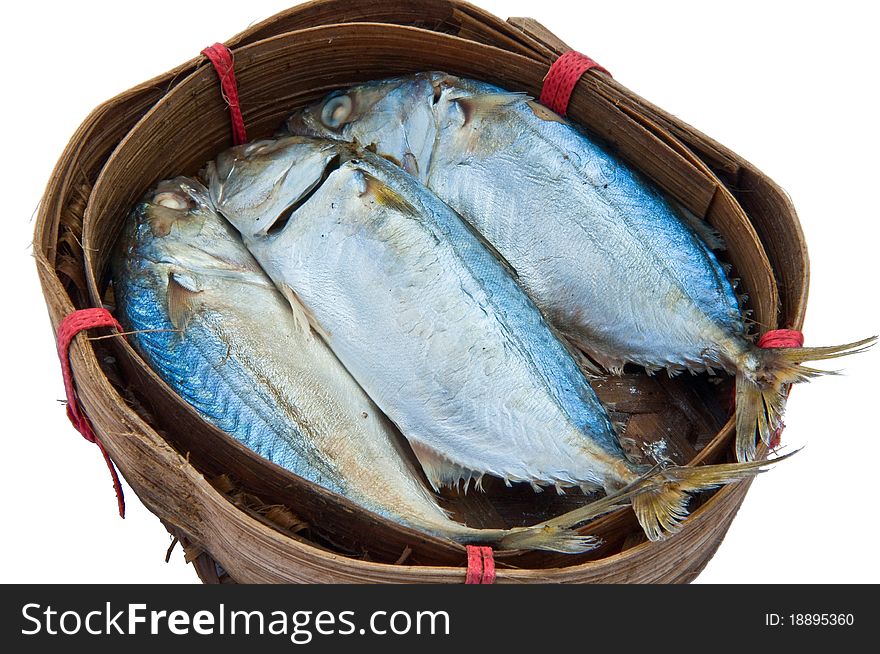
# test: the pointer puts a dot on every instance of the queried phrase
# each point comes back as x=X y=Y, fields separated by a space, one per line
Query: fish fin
x=487 y=104
x=761 y=394
x=589 y=368
x=659 y=497
x=440 y=470
x=544 y=113
x=709 y=235
x=544 y=536
x=674 y=370
x=384 y=195
x=596 y=362
x=548 y=538
x=558 y=534
x=180 y=294
x=410 y=164
x=302 y=316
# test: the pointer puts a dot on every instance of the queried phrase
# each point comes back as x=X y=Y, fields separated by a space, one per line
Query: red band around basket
x=562 y=77
x=481 y=565
x=67 y=330
x=780 y=338
x=221 y=57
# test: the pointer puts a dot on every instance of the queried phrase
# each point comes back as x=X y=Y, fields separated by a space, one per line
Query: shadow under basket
x=242 y=519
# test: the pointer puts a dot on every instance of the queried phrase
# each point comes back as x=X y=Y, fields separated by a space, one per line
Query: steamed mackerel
x=611 y=263
x=213 y=326
x=432 y=325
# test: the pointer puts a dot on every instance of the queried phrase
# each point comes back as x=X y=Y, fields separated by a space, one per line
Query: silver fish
x=432 y=325
x=213 y=326
x=604 y=255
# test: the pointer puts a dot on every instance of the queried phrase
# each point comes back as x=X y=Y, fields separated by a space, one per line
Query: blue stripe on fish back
x=199 y=368
x=522 y=321
x=647 y=213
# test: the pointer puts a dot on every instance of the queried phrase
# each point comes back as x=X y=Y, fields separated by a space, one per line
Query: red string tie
x=67 y=330
x=781 y=338
x=562 y=77
x=777 y=338
x=221 y=58
x=481 y=565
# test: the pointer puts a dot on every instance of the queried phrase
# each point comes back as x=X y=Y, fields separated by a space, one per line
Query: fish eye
x=336 y=111
x=174 y=201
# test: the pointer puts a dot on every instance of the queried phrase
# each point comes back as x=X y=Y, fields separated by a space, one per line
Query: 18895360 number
x=821 y=619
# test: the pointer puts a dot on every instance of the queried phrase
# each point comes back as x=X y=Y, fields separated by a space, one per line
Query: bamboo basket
x=242 y=519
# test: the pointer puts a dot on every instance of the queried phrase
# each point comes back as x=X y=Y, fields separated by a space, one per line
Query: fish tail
x=660 y=498
x=558 y=534
x=549 y=538
x=762 y=388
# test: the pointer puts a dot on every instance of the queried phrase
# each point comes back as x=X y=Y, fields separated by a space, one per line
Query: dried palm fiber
x=242 y=519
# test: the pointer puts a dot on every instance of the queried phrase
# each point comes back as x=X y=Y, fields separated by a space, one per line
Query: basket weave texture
x=241 y=519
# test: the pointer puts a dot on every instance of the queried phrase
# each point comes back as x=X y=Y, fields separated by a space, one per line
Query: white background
x=790 y=86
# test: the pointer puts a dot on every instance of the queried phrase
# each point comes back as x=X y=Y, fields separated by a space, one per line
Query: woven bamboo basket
x=242 y=519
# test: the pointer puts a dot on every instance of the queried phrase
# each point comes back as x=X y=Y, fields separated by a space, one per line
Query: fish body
x=426 y=318
x=214 y=327
x=601 y=252
x=607 y=258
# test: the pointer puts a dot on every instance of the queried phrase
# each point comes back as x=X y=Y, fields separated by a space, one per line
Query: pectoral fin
x=544 y=113
x=302 y=316
x=410 y=164
x=488 y=104
x=384 y=195
x=180 y=294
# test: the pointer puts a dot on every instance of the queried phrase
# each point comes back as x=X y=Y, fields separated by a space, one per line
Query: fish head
x=259 y=186
x=176 y=236
x=394 y=118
